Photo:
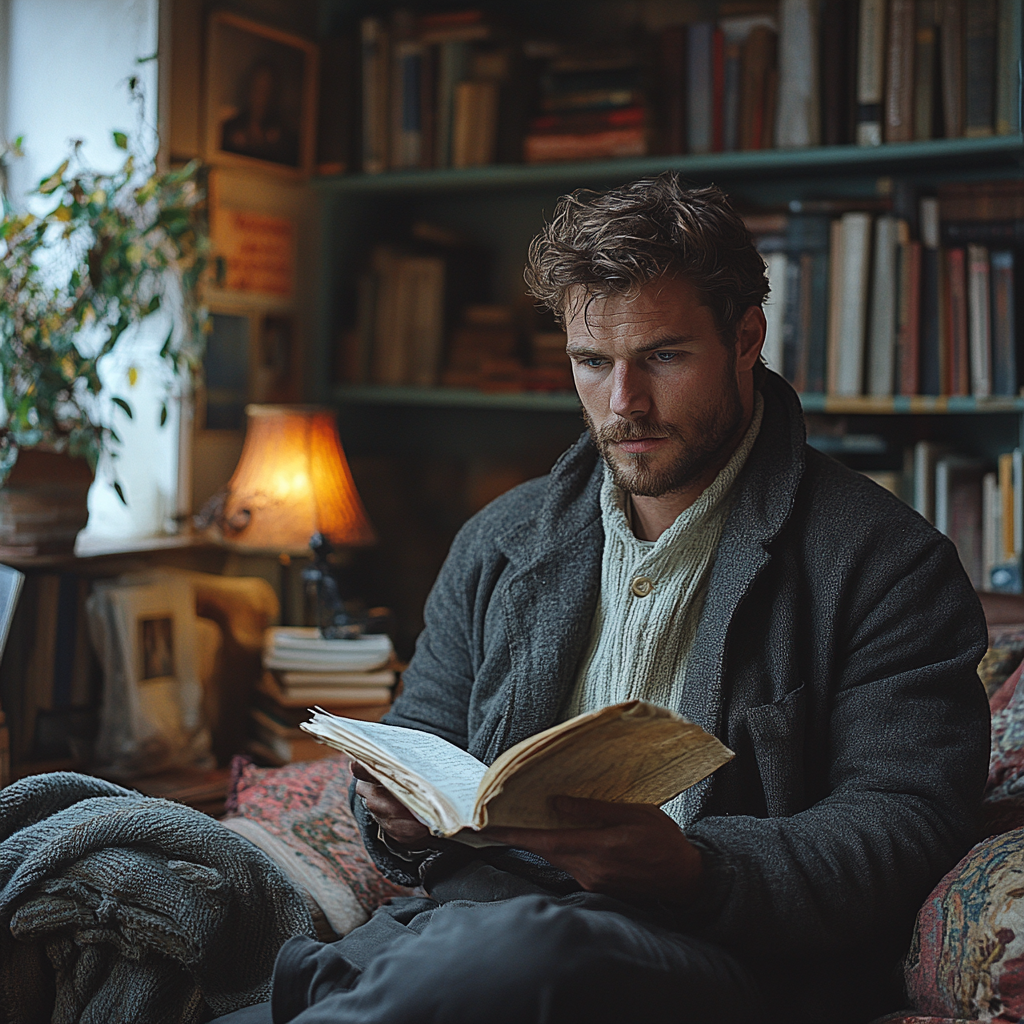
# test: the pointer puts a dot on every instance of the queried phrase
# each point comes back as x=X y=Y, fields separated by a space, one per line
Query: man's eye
x=593 y=362
x=665 y=357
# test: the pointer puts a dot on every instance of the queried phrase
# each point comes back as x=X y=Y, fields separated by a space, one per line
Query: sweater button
x=641 y=586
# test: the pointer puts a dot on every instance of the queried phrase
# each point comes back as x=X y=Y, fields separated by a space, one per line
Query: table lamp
x=292 y=481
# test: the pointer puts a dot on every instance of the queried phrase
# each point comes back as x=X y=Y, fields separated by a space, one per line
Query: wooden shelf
x=1005 y=151
x=466 y=398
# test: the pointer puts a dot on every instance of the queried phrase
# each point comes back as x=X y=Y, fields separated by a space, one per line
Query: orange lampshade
x=291 y=481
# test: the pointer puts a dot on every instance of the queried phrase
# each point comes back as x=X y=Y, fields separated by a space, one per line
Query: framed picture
x=261 y=86
x=146 y=636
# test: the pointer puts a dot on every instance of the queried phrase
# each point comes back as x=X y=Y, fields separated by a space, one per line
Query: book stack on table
x=349 y=678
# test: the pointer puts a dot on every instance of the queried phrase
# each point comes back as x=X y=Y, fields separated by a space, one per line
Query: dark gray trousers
x=509 y=953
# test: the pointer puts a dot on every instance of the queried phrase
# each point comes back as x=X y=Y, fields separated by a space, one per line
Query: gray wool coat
x=836 y=656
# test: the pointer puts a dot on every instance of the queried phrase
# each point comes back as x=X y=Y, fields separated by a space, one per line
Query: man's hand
x=628 y=850
x=391 y=814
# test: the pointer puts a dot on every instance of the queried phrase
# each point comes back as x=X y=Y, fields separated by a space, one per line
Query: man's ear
x=750 y=338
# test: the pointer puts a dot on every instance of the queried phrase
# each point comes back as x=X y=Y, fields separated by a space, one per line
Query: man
x=690 y=550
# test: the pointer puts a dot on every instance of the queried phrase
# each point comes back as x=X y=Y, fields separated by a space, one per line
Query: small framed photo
x=261 y=86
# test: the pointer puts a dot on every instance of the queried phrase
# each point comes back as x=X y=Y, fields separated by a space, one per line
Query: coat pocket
x=777 y=733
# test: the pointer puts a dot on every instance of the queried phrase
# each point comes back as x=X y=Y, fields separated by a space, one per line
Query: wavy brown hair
x=615 y=242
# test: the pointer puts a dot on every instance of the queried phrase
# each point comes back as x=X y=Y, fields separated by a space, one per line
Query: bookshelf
x=442 y=435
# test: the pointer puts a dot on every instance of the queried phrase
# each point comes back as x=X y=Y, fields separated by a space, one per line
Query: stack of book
x=902 y=297
x=591 y=107
x=484 y=351
x=349 y=678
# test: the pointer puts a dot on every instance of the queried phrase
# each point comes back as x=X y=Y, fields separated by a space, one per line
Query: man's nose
x=629 y=398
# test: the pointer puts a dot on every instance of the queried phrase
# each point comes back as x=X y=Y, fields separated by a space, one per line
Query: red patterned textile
x=967 y=957
x=306 y=806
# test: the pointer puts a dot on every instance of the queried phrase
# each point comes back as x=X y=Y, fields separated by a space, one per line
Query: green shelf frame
x=467 y=398
x=1006 y=151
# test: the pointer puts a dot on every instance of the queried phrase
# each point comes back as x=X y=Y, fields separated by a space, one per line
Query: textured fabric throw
x=123 y=909
x=651 y=598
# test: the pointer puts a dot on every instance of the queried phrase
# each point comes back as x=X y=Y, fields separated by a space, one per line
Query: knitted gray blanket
x=117 y=908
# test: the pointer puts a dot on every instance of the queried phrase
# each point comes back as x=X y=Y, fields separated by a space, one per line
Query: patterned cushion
x=967 y=956
x=1006 y=766
x=299 y=815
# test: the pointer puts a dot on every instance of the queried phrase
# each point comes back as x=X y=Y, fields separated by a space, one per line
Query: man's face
x=659 y=389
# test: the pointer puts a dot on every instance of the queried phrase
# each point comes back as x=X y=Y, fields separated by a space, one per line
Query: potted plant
x=73 y=280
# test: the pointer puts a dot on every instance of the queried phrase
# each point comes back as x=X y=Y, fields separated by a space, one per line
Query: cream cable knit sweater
x=652 y=594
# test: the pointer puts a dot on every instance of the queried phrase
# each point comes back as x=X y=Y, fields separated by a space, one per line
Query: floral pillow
x=300 y=817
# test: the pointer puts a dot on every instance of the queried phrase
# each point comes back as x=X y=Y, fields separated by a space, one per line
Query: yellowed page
x=630 y=753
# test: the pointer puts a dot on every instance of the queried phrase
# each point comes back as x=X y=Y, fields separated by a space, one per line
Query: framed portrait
x=261 y=86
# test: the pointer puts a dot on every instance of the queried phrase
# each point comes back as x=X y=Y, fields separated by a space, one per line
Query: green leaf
x=122 y=404
x=54 y=181
x=163 y=414
x=120 y=140
x=120 y=493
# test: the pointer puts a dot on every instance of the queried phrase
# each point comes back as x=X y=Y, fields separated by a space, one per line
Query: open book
x=627 y=753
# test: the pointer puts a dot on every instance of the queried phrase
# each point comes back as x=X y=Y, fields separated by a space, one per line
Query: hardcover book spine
x=407 y=133
x=899 y=89
x=838 y=64
x=870 y=72
x=925 y=68
x=1010 y=38
x=452 y=66
x=375 y=95
x=672 y=68
x=699 y=94
x=775 y=310
x=980 y=67
x=882 y=340
x=951 y=42
x=814 y=316
x=758 y=89
x=717 y=91
x=799 y=117
x=931 y=344
x=835 y=306
x=959 y=343
x=731 y=112
x=979 y=312
x=791 y=339
x=908 y=332
x=856 y=262
x=1004 y=360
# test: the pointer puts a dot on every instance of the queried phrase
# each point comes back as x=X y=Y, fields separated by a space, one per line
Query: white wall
x=68 y=62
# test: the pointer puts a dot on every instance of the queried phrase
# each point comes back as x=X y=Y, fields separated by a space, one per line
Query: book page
x=413 y=765
x=629 y=753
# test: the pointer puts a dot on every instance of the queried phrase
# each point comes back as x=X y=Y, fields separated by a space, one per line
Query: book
x=452 y=69
x=375 y=95
x=982 y=200
x=774 y=310
x=899 y=85
x=979 y=68
x=699 y=87
x=925 y=69
x=717 y=91
x=1010 y=39
x=882 y=328
x=474 y=123
x=870 y=72
x=958 y=512
x=991 y=528
x=406 y=102
x=951 y=42
x=1003 y=323
x=627 y=753
x=979 y=320
x=672 y=88
x=839 y=30
x=851 y=270
x=908 y=323
x=957 y=331
x=798 y=122
x=733 y=76
x=332 y=695
x=758 y=88
x=615 y=142
x=930 y=358
x=301 y=647
x=926 y=456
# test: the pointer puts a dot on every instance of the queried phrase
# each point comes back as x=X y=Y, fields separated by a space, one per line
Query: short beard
x=700 y=445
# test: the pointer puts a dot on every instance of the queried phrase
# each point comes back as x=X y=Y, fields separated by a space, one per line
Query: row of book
x=843 y=71
x=462 y=89
x=980 y=509
x=414 y=329
x=351 y=678
x=889 y=304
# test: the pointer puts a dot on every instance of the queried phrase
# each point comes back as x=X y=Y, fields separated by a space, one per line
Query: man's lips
x=641 y=445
